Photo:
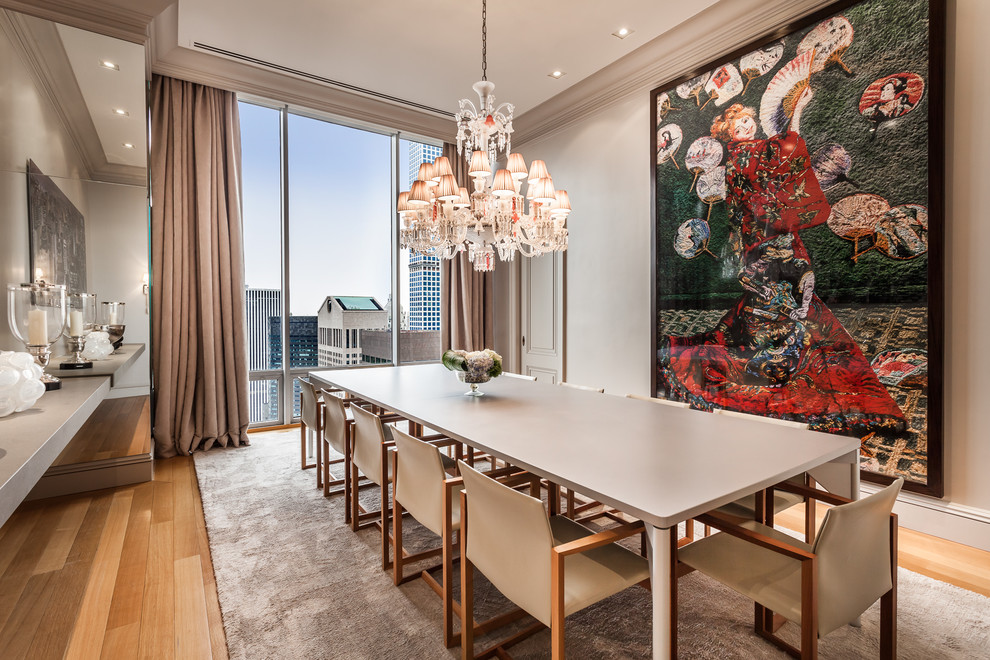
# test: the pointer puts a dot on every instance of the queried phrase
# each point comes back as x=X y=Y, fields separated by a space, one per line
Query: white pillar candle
x=113 y=316
x=37 y=327
x=75 y=323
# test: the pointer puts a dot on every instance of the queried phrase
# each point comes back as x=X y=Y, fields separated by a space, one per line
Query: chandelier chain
x=484 y=39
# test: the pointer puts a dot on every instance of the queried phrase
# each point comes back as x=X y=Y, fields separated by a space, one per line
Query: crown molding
x=714 y=32
x=170 y=58
x=126 y=23
x=41 y=49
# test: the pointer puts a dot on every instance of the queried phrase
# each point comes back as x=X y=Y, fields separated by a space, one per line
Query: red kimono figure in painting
x=779 y=351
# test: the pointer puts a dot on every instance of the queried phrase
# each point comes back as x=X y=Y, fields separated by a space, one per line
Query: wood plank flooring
x=117 y=573
x=127 y=573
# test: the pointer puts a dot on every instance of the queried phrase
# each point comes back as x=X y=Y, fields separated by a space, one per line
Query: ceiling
x=429 y=52
x=105 y=90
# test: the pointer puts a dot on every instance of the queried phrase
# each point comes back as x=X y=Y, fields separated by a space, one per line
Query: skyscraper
x=424 y=271
x=302 y=350
x=261 y=305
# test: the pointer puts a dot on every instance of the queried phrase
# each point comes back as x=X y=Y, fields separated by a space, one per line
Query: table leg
x=663 y=578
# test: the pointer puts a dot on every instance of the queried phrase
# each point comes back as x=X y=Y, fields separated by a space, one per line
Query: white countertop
x=30 y=441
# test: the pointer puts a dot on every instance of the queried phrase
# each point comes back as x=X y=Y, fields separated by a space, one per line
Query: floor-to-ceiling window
x=322 y=267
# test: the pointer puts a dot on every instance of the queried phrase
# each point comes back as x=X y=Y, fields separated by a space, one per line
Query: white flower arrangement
x=477 y=366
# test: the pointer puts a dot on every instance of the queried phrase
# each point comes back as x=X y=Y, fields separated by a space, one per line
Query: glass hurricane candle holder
x=112 y=321
x=36 y=314
x=81 y=321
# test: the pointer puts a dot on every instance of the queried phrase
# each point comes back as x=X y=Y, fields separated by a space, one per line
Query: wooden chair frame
x=764 y=619
x=557 y=556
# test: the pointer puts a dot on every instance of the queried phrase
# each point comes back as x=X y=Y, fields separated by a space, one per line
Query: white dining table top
x=659 y=463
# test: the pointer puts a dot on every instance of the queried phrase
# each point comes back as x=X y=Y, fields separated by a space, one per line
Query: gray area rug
x=294 y=582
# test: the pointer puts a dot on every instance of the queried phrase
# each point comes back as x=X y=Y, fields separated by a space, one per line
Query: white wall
x=605 y=163
x=117 y=254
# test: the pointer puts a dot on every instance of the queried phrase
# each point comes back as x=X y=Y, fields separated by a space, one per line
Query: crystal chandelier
x=440 y=218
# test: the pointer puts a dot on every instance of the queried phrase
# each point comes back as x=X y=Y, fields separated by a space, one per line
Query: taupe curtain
x=199 y=351
x=466 y=296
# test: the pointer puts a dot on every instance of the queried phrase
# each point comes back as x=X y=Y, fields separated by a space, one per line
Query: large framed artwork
x=798 y=232
x=57 y=234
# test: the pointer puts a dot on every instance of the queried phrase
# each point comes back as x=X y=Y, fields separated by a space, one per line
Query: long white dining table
x=661 y=464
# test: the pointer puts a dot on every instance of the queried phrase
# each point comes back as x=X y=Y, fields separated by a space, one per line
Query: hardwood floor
x=117 y=573
x=127 y=573
x=117 y=428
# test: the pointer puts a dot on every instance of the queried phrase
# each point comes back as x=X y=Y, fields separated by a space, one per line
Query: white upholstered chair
x=311 y=421
x=745 y=507
x=421 y=486
x=548 y=566
x=369 y=456
x=821 y=587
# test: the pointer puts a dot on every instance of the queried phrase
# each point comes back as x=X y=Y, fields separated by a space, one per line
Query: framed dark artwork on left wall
x=57 y=233
x=798 y=188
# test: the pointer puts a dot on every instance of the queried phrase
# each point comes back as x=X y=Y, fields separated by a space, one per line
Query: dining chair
x=311 y=420
x=821 y=587
x=420 y=485
x=549 y=566
x=745 y=507
x=369 y=456
x=665 y=402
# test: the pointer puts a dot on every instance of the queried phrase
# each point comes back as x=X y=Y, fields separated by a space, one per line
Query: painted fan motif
x=692 y=238
x=784 y=93
x=725 y=83
x=711 y=187
x=760 y=62
x=828 y=41
x=832 y=164
x=902 y=233
x=894 y=365
x=693 y=88
x=663 y=106
x=669 y=137
x=891 y=97
x=856 y=217
x=703 y=154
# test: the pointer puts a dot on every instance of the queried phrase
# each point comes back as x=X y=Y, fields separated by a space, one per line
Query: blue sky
x=339 y=208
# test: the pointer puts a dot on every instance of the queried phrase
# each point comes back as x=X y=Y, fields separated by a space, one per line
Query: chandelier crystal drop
x=440 y=218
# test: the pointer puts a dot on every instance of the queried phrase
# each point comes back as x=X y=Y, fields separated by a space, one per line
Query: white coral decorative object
x=20 y=382
x=98 y=346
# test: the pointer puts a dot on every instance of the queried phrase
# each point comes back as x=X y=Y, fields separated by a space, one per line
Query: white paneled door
x=542 y=317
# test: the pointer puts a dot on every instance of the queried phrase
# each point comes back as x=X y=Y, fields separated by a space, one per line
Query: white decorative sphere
x=20 y=382
x=98 y=346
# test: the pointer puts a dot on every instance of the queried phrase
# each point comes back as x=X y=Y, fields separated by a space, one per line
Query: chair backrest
x=336 y=421
x=419 y=478
x=509 y=539
x=519 y=376
x=665 y=402
x=369 y=434
x=586 y=388
x=760 y=418
x=307 y=403
x=853 y=549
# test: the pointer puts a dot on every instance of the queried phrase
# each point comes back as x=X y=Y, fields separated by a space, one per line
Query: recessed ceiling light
x=622 y=33
x=107 y=64
x=128 y=145
x=121 y=112
x=557 y=74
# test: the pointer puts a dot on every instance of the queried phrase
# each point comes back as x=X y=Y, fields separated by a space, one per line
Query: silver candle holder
x=36 y=313
x=112 y=322
x=81 y=321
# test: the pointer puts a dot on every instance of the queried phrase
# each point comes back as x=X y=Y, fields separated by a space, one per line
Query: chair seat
x=745 y=507
x=596 y=574
x=767 y=577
